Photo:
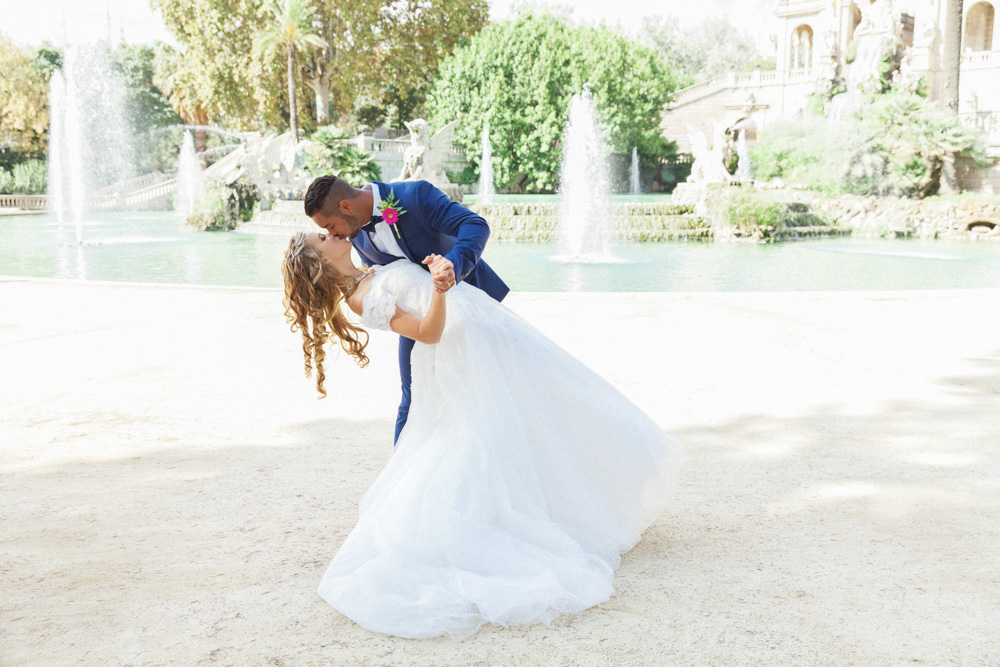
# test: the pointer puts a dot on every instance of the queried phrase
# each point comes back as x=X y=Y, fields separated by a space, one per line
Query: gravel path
x=171 y=491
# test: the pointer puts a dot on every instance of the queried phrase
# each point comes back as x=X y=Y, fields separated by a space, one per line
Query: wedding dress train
x=519 y=478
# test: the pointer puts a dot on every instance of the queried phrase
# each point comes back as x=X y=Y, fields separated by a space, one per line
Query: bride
x=520 y=477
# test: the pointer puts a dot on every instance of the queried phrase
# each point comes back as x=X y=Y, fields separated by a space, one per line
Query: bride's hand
x=442 y=272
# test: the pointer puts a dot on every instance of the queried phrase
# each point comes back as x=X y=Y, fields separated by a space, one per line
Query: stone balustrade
x=730 y=80
x=24 y=202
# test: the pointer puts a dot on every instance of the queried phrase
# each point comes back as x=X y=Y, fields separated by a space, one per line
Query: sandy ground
x=171 y=491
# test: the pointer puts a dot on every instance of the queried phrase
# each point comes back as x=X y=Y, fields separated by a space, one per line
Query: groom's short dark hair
x=321 y=189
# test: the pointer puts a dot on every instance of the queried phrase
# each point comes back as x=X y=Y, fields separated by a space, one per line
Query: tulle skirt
x=520 y=478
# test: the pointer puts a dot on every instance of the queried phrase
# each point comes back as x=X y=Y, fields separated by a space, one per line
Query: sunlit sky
x=29 y=22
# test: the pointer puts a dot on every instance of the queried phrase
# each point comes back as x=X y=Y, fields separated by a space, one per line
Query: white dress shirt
x=384 y=237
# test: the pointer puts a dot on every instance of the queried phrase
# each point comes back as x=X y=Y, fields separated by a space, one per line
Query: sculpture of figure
x=708 y=166
x=423 y=159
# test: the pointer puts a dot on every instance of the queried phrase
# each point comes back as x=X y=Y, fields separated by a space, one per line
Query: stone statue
x=708 y=166
x=423 y=159
x=274 y=162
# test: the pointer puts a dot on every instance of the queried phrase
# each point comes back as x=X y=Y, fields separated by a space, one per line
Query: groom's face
x=338 y=221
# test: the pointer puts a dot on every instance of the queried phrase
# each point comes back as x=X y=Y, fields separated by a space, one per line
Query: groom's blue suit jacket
x=432 y=224
x=435 y=224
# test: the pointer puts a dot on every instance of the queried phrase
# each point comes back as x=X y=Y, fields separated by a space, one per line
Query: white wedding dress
x=519 y=478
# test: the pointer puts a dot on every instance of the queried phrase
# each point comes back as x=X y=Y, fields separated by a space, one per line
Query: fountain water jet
x=57 y=105
x=190 y=184
x=87 y=126
x=633 y=174
x=744 y=173
x=584 y=213
x=486 y=190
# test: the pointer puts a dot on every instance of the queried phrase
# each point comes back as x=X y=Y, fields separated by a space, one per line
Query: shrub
x=331 y=154
x=808 y=151
x=224 y=206
x=30 y=178
x=6 y=182
x=905 y=143
x=745 y=213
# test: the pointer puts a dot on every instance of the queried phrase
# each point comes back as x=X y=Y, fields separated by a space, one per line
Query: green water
x=157 y=248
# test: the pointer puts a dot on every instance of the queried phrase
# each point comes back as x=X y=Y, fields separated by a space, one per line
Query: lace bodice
x=400 y=284
x=378 y=306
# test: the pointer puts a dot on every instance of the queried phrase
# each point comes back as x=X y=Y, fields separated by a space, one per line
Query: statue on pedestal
x=423 y=159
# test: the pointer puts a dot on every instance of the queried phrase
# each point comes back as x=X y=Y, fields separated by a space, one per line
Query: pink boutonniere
x=391 y=210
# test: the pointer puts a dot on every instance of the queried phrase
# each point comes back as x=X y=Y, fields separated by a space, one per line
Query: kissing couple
x=518 y=477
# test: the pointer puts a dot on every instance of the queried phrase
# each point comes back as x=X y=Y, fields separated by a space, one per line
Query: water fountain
x=57 y=104
x=190 y=184
x=633 y=174
x=87 y=126
x=584 y=212
x=744 y=173
x=486 y=190
x=874 y=38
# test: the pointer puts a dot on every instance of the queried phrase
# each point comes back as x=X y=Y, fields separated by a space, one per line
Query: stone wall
x=863 y=216
x=539 y=223
x=927 y=218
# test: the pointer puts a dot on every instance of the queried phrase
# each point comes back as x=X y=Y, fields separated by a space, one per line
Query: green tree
x=148 y=108
x=24 y=109
x=907 y=144
x=519 y=77
x=373 y=49
x=290 y=30
x=216 y=69
x=713 y=47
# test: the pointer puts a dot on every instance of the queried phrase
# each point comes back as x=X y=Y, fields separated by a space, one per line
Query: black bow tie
x=370 y=225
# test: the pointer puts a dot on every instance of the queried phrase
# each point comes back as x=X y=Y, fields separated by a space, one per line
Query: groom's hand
x=442 y=272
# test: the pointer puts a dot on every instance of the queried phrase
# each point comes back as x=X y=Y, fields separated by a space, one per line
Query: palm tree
x=952 y=56
x=172 y=75
x=291 y=29
x=952 y=52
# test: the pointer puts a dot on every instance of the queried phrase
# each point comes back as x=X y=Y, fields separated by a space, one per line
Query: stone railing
x=370 y=144
x=132 y=184
x=120 y=199
x=223 y=166
x=977 y=59
x=24 y=202
x=754 y=79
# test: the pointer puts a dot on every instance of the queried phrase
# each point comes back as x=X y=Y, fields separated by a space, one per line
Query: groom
x=410 y=220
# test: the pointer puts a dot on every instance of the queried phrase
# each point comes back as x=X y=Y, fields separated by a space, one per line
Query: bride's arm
x=427 y=330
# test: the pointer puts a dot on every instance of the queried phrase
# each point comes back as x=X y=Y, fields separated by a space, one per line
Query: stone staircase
x=285 y=217
x=156 y=190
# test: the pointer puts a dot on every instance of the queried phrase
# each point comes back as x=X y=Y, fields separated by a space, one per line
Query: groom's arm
x=448 y=217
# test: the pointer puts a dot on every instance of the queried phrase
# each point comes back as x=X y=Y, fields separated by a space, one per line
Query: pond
x=157 y=248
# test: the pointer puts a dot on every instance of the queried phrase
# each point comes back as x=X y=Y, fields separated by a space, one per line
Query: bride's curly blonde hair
x=313 y=296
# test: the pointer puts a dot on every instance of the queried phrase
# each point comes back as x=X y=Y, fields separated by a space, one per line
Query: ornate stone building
x=826 y=43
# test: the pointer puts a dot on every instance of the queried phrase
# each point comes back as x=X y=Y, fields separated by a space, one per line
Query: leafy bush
x=897 y=148
x=905 y=143
x=30 y=177
x=808 y=151
x=745 y=212
x=224 y=206
x=467 y=176
x=331 y=154
x=6 y=182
